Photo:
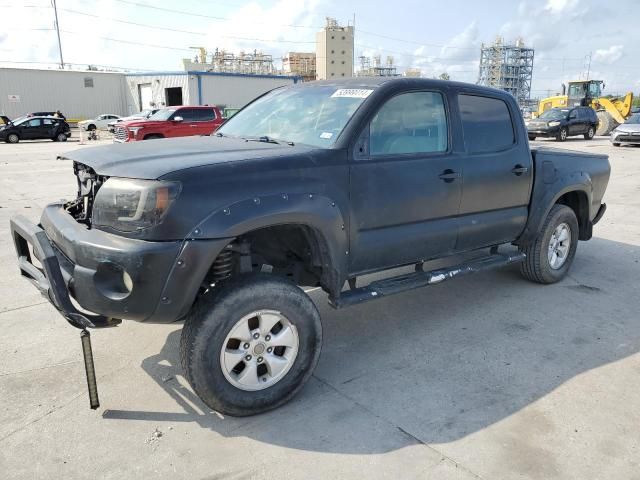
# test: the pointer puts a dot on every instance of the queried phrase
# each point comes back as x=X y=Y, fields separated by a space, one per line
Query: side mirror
x=178 y=119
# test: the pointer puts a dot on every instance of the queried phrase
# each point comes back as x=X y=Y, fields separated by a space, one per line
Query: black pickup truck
x=310 y=185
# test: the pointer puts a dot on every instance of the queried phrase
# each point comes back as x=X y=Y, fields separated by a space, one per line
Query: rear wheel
x=562 y=135
x=550 y=255
x=251 y=344
x=13 y=138
x=61 y=137
x=590 y=133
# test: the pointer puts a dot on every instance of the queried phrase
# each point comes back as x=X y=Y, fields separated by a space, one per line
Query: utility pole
x=55 y=11
x=353 y=60
x=589 y=65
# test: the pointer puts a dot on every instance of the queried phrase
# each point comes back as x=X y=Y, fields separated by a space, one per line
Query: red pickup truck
x=170 y=122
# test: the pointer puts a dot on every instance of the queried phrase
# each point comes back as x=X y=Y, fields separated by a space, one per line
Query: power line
x=146 y=25
x=203 y=15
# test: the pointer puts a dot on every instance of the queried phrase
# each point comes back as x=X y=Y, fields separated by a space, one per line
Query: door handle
x=449 y=175
x=519 y=170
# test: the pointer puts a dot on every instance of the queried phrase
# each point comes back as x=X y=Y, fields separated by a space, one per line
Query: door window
x=49 y=121
x=486 y=123
x=413 y=122
x=36 y=122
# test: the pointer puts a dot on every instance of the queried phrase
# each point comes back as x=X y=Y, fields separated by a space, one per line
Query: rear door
x=50 y=127
x=405 y=184
x=497 y=172
x=576 y=126
x=205 y=121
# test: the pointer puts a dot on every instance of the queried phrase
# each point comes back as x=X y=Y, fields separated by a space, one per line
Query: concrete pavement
x=487 y=376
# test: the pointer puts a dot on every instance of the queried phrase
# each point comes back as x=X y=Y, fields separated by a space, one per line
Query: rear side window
x=204 y=115
x=187 y=114
x=486 y=123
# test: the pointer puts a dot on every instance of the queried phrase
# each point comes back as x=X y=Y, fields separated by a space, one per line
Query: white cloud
x=609 y=55
x=560 y=6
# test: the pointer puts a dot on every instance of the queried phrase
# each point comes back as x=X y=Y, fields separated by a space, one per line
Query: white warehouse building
x=233 y=90
x=86 y=94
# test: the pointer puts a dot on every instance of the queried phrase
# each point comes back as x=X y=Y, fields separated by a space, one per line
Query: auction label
x=352 y=93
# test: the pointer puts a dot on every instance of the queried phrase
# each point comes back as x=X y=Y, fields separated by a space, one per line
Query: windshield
x=555 y=114
x=21 y=120
x=163 y=114
x=310 y=115
x=633 y=119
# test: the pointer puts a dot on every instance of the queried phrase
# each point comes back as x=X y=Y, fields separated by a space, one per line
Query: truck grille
x=121 y=134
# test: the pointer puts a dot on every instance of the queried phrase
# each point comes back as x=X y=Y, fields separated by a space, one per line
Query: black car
x=564 y=122
x=35 y=128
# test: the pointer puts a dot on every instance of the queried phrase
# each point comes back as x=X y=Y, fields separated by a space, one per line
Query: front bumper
x=89 y=265
x=627 y=139
x=544 y=132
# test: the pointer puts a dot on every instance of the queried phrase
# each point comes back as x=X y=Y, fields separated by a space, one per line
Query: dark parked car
x=35 y=128
x=564 y=122
x=314 y=184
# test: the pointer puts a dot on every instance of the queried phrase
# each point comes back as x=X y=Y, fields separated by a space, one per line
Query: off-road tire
x=13 y=138
x=536 y=266
x=211 y=319
x=562 y=134
x=590 y=133
x=606 y=123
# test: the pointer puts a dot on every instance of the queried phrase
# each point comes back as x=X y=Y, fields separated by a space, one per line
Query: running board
x=410 y=281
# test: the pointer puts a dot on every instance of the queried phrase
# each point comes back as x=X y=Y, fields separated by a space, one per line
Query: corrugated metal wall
x=158 y=85
x=67 y=91
x=237 y=90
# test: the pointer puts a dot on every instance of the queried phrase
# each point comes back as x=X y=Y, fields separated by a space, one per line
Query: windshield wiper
x=267 y=139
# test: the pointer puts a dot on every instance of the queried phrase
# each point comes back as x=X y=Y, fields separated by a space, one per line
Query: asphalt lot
x=487 y=376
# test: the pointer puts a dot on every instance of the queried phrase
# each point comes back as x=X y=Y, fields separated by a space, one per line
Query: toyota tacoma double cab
x=170 y=122
x=309 y=185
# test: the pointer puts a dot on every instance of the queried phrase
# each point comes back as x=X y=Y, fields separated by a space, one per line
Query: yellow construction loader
x=611 y=111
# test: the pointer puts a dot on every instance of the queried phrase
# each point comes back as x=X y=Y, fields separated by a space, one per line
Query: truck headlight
x=135 y=130
x=553 y=124
x=130 y=205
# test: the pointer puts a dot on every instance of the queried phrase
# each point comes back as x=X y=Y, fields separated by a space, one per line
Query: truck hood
x=152 y=159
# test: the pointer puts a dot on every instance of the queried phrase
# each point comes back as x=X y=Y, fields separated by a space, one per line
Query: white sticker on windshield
x=352 y=93
x=326 y=135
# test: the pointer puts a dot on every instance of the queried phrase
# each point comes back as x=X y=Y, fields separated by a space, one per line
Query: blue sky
x=435 y=36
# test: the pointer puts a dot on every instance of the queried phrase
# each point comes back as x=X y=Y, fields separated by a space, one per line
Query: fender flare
x=546 y=194
x=315 y=211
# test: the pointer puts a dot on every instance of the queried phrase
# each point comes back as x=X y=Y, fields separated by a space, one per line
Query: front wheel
x=615 y=144
x=550 y=255
x=590 y=133
x=13 y=138
x=532 y=138
x=250 y=344
x=562 y=135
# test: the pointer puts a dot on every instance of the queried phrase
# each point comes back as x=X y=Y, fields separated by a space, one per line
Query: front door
x=497 y=173
x=32 y=129
x=405 y=185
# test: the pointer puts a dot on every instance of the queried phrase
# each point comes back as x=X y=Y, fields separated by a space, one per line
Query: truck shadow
x=437 y=364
